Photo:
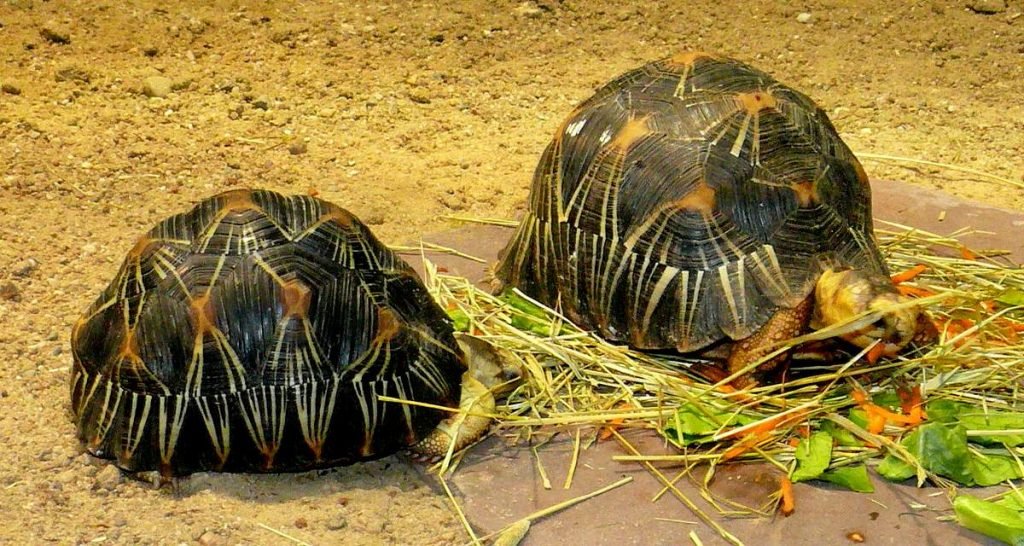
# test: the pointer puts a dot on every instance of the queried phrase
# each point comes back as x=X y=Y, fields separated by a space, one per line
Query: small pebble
x=10 y=89
x=9 y=292
x=301 y=523
x=150 y=51
x=528 y=9
x=157 y=86
x=987 y=7
x=25 y=267
x=210 y=538
x=337 y=523
x=107 y=479
x=805 y=18
x=90 y=248
x=55 y=35
x=261 y=103
x=297 y=148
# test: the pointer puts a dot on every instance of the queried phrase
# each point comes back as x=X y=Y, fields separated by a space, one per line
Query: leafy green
x=693 y=424
x=993 y=469
x=887 y=399
x=945 y=411
x=812 y=456
x=990 y=519
x=895 y=469
x=531 y=317
x=859 y=417
x=460 y=320
x=943 y=450
x=1011 y=296
x=841 y=436
x=939 y=448
x=854 y=478
x=996 y=421
x=1013 y=501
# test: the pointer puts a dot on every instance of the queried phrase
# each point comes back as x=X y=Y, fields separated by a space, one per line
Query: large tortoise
x=255 y=333
x=696 y=202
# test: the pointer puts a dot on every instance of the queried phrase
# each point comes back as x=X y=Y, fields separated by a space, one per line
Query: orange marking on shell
x=806 y=193
x=129 y=349
x=339 y=215
x=862 y=175
x=388 y=326
x=203 y=315
x=701 y=199
x=237 y=201
x=295 y=296
x=632 y=131
x=756 y=101
x=317 y=448
x=143 y=244
x=268 y=456
x=687 y=58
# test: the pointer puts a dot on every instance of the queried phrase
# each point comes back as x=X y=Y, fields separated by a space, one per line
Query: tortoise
x=695 y=204
x=255 y=333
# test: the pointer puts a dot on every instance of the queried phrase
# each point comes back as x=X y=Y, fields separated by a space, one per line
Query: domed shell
x=687 y=201
x=255 y=333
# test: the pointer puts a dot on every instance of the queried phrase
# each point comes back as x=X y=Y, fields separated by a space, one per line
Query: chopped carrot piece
x=914 y=291
x=875 y=353
x=967 y=253
x=614 y=424
x=876 y=421
x=1015 y=326
x=793 y=442
x=909 y=274
x=788 y=504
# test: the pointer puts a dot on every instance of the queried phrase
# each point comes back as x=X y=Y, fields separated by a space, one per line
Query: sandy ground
x=402 y=112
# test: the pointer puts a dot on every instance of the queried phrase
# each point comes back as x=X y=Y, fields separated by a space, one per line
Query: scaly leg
x=785 y=324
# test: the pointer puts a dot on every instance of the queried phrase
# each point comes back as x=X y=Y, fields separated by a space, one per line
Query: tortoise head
x=495 y=368
x=842 y=294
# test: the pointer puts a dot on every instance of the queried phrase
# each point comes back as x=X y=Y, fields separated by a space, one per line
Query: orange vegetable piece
x=875 y=353
x=909 y=274
x=614 y=424
x=914 y=291
x=788 y=504
x=967 y=253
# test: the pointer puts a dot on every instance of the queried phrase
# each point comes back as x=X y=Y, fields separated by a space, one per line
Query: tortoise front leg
x=786 y=323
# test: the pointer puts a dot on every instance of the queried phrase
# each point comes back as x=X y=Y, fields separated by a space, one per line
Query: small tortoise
x=697 y=204
x=255 y=333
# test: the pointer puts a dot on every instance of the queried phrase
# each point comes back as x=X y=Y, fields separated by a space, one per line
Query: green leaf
x=939 y=448
x=943 y=450
x=990 y=519
x=944 y=411
x=812 y=456
x=887 y=399
x=895 y=469
x=995 y=420
x=854 y=478
x=692 y=424
x=993 y=469
x=1012 y=501
x=842 y=436
x=859 y=417
x=460 y=320
x=1011 y=296
x=531 y=317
